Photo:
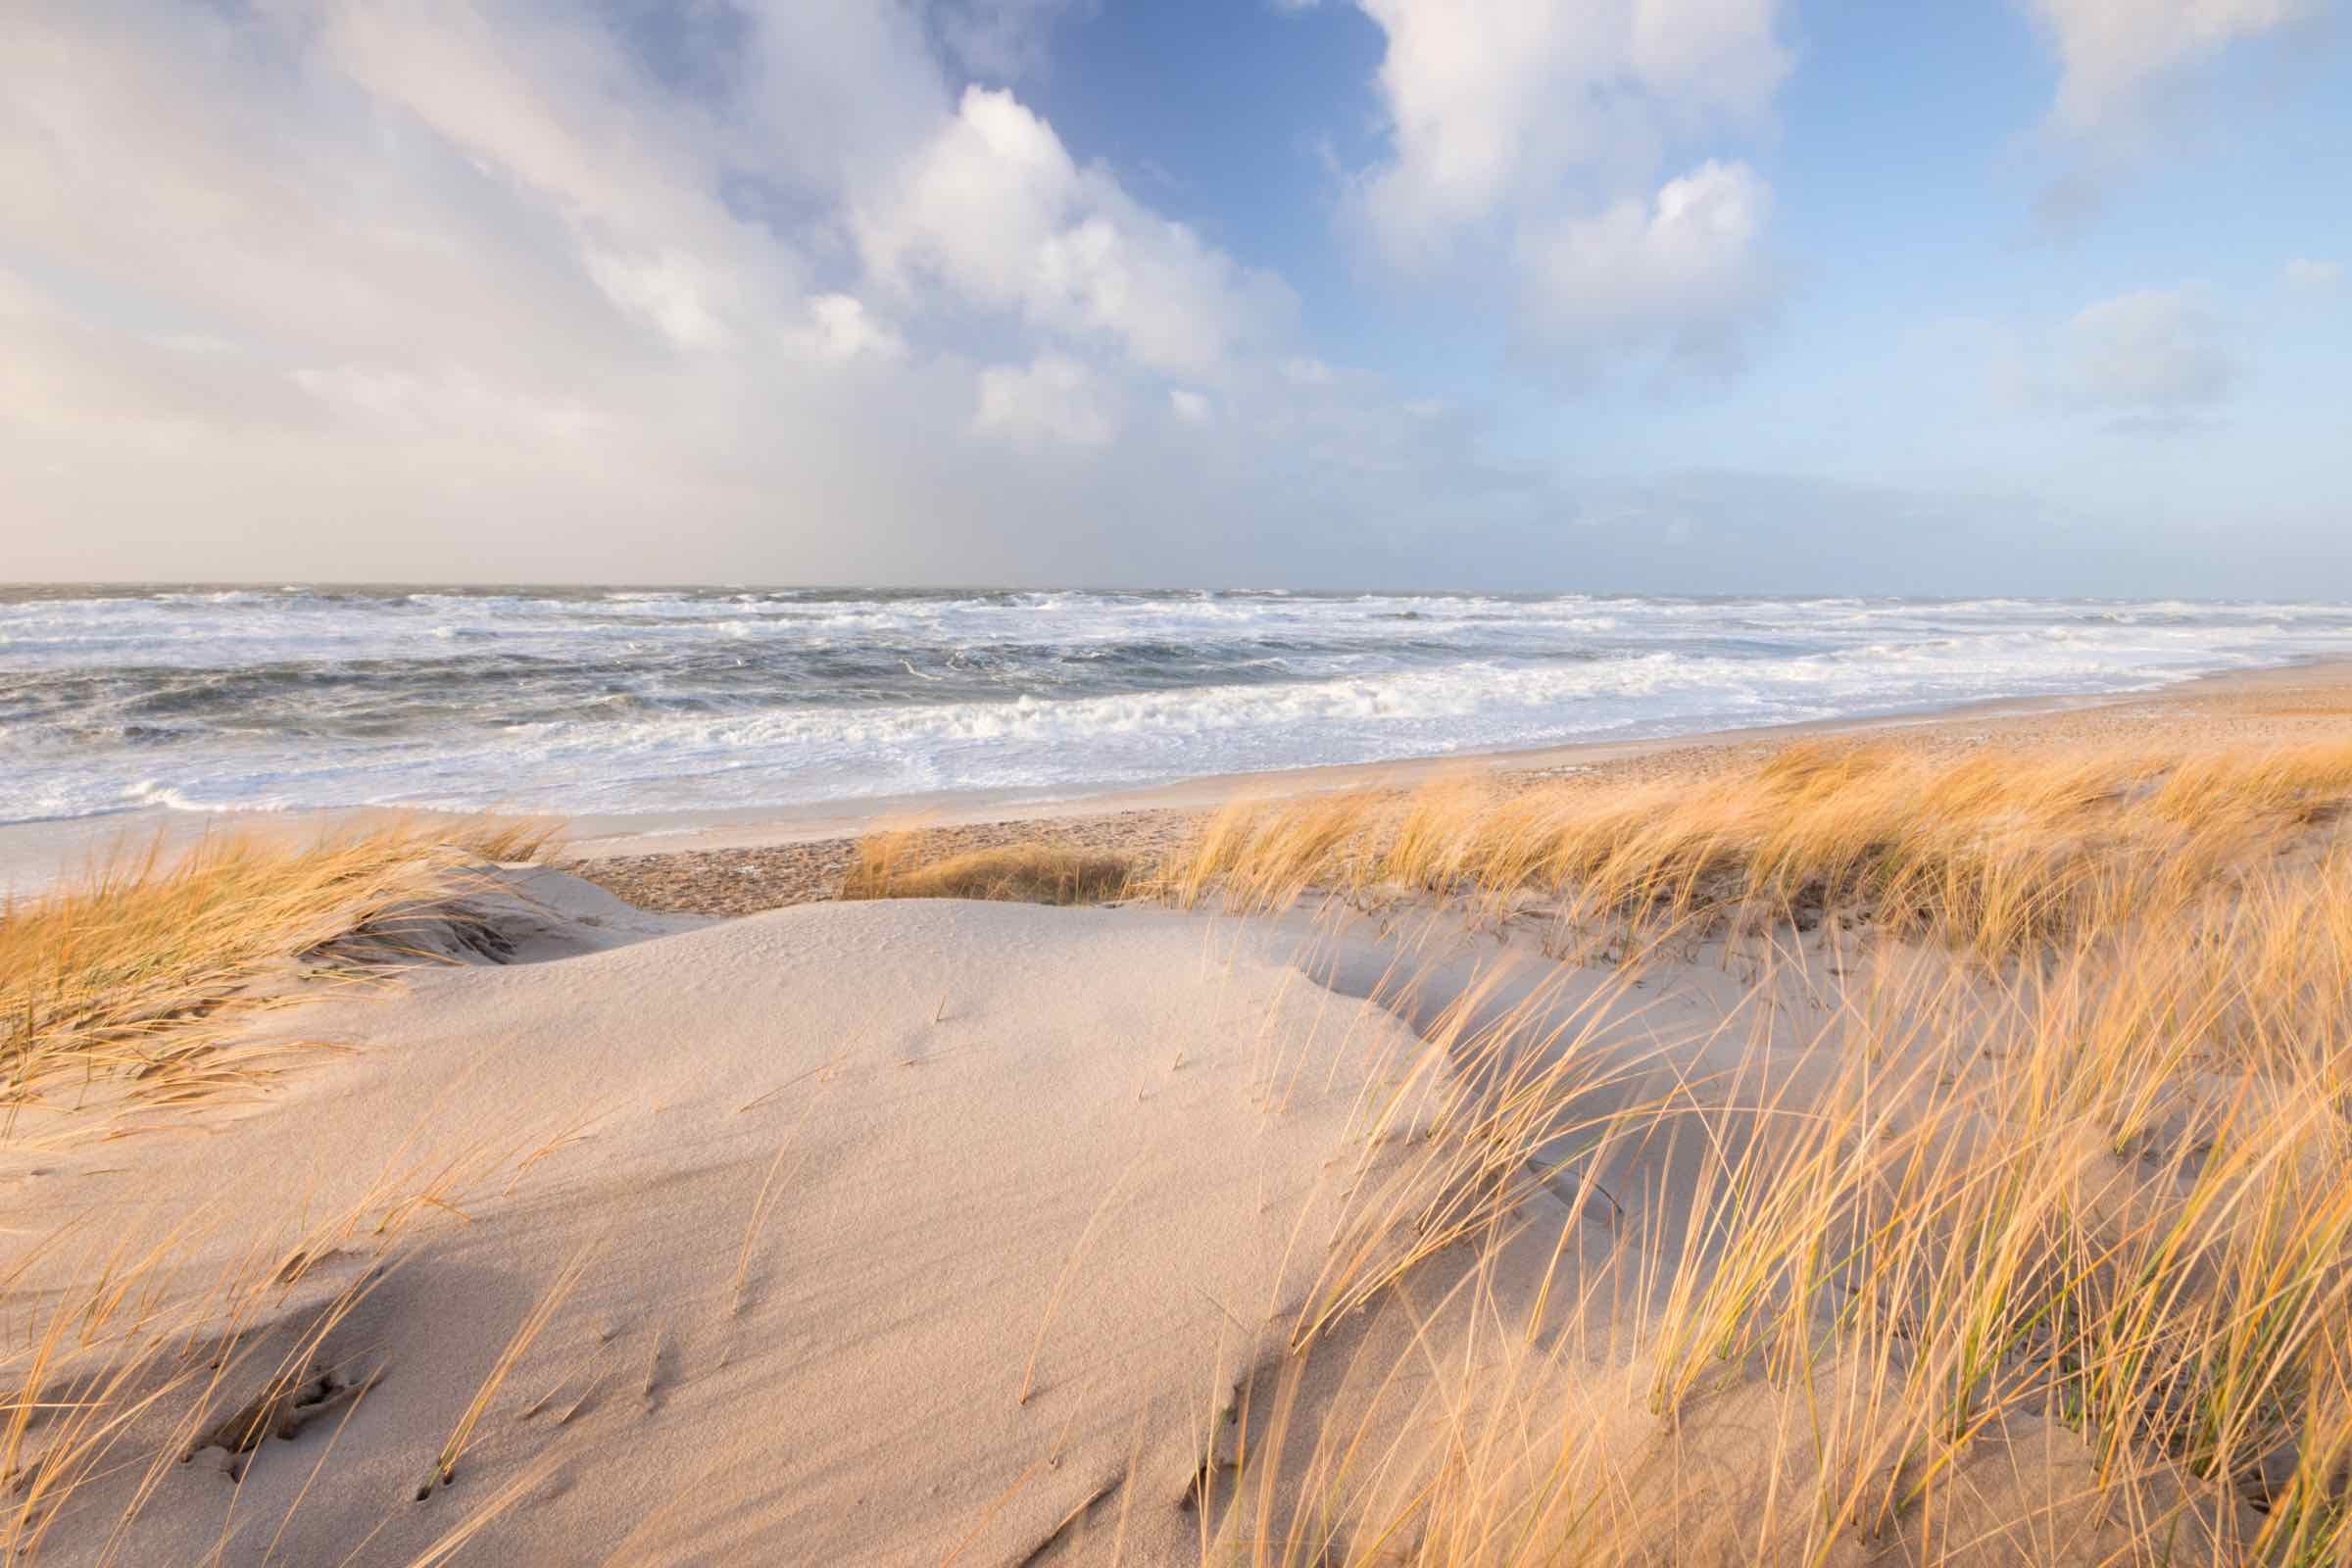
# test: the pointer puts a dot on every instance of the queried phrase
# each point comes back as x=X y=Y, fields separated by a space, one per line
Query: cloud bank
x=815 y=290
x=498 y=288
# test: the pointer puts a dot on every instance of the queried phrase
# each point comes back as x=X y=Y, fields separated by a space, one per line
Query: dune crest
x=913 y=1232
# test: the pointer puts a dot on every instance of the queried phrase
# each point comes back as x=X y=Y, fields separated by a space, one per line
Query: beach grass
x=901 y=863
x=2043 y=1253
x=2037 y=1246
x=126 y=996
x=1997 y=851
x=1997 y=1209
x=127 y=989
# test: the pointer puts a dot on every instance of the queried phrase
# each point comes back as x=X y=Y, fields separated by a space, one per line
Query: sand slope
x=1030 y=1209
x=934 y=1231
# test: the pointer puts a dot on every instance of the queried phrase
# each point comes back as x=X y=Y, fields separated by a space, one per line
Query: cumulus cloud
x=668 y=289
x=661 y=289
x=841 y=330
x=1541 y=130
x=1681 y=266
x=482 y=287
x=2153 y=354
x=994 y=209
x=1534 y=93
x=2111 y=51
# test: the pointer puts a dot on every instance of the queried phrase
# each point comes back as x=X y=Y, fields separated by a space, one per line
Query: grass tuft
x=1998 y=852
x=137 y=977
x=900 y=864
x=2000 y=1209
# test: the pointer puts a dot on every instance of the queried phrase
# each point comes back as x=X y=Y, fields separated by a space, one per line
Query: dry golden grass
x=1998 y=850
x=905 y=865
x=149 y=1360
x=2007 y=1217
x=543 y=1310
x=123 y=1001
x=132 y=983
x=2040 y=1258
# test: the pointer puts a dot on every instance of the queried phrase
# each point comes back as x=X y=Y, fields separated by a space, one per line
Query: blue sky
x=1675 y=295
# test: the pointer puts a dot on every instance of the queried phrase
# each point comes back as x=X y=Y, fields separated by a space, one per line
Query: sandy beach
x=1339 y=1195
x=740 y=860
x=1103 y=784
x=763 y=861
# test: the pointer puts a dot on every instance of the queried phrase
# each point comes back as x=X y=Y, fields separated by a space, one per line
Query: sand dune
x=907 y=1229
x=1875 y=1160
x=919 y=1233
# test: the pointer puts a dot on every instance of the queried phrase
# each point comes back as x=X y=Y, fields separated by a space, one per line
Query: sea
x=628 y=700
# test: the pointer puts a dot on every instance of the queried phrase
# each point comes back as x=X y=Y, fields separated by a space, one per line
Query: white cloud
x=2150 y=354
x=1527 y=100
x=476 y=287
x=668 y=289
x=1683 y=267
x=2110 y=51
x=994 y=209
x=1051 y=400
x=841 y=328
x=1540 y=130
x=2314 y=276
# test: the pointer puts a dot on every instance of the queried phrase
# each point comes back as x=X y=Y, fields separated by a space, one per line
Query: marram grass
x=2011 y=1212
x=130 y=984
x=2034 y=1245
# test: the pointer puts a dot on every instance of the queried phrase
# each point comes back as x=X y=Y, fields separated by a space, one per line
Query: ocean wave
x=619 y=698
x=175 y=798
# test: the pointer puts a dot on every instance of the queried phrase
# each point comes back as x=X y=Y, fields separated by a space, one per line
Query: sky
x=1671 y=296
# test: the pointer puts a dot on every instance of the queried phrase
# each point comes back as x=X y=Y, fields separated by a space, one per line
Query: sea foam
x=638 y=699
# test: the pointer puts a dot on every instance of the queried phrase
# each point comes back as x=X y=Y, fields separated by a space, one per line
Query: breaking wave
x=651 y=700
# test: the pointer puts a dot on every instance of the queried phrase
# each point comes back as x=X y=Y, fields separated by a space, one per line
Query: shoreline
x=34 y=855
x=750 y=868
x=597 y=836
x=913 y=1229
